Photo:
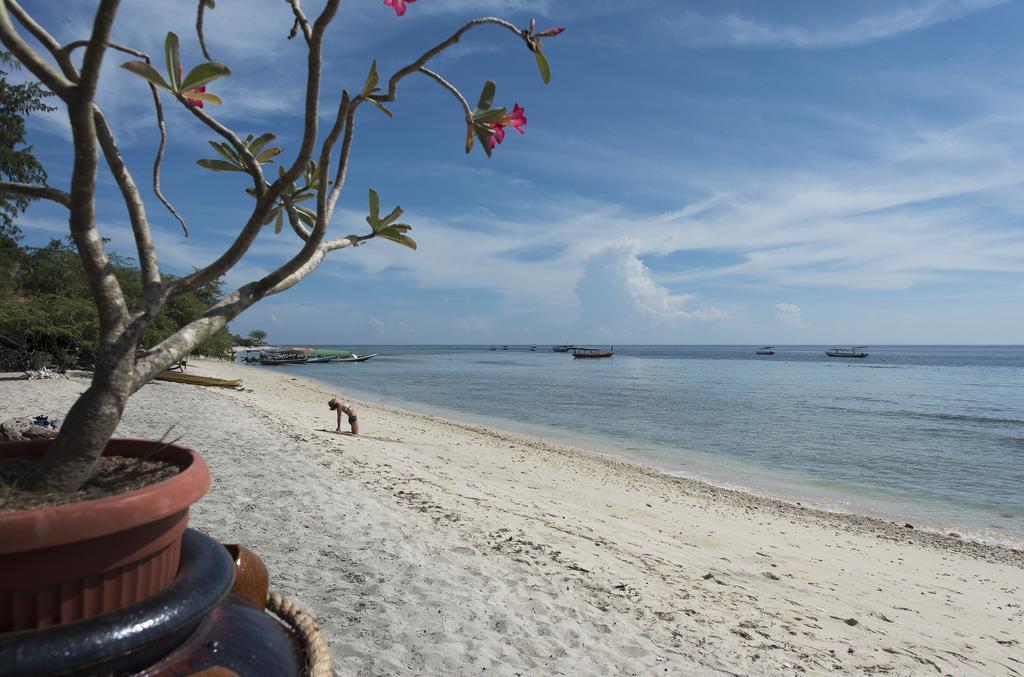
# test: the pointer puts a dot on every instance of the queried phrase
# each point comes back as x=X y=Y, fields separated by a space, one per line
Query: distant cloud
x=619 y=297
x=789 y=314
x=734 y=30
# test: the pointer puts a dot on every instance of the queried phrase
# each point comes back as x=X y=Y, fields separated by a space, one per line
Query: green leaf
x=395 y=213
x=374 y=217
x=484 y=134
x=394 y=236
x=370 y=86
x=380 y=107
x=542 y=65
x=469 y=138
x=486 y=96
x=209 y=3
x=255 y=146
x=203 y=96
x=307 y=216
x=488 y=116
x=218 y=165
x=268 y=154
x=226 y=151
x=203 y=74
x=401 y=227
x=145 y=70
x=173 y=61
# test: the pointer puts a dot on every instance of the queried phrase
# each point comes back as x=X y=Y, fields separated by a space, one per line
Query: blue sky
x=696 y=172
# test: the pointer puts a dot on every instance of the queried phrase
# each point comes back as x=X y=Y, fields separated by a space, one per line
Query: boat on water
x=193 y=379
x=765 y=350
x=283 y=358
x=589 y=353
x=562 y=348
x=320 y=359
x=533 y=349
x=494 y=347
x=855 y=351
x=504 y=347
x=355 y=358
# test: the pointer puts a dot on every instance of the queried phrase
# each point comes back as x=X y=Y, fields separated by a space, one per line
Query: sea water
x=929 y=434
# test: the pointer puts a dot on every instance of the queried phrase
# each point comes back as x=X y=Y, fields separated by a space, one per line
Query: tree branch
x=199 y=29
x=451 y=88
x=158 y=107
x=44 y=38
x=106 y=290
x=36 y=191
x=267 y=195
x=437 y=49
x=132 y=200
x=300 y=22
x=54 y=81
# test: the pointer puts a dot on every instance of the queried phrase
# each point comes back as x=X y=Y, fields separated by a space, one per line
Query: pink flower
x=195 y=102
x=550 y=33
x=198 y=103
x=398 y=5
x=546 y=33
x=497 y=135
x=516 y=120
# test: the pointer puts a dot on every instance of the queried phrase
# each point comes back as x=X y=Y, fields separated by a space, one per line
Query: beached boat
x=765 y=350
x=355 y=358
x=319 y=359
x=855 y=351
x=193 y=379
x=283 y=358
x=588 y=353
x=562 y=348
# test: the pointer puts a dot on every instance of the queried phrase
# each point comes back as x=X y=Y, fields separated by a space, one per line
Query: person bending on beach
x=345 y=408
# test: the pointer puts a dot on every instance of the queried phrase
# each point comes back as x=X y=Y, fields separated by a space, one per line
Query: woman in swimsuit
x=345 y=408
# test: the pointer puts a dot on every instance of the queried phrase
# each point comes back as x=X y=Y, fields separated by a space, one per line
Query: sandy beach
x=430 y=546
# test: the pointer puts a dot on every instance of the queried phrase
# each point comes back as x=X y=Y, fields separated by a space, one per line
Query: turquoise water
x=927 y=433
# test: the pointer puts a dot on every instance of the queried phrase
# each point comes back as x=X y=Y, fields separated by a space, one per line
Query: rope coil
x=318 y=655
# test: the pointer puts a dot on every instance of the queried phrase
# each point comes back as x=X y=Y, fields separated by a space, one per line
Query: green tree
x=17 y=163
x=257 y=336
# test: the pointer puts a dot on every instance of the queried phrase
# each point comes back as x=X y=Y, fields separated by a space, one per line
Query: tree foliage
x=46 y=306
x=17 y=163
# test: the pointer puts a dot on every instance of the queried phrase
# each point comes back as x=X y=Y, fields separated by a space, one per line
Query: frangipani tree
x=303 y=192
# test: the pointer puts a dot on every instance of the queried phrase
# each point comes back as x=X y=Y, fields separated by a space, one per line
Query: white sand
x=434 y=547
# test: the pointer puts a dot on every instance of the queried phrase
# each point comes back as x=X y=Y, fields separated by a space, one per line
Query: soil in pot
x=113 y=475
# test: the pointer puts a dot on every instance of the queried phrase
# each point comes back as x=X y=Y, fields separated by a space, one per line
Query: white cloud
x=619 y=297
x=789 y=313
x=734 y=30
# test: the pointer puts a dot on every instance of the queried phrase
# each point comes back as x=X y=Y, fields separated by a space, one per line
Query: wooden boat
x=765 y=350
x=855 y=351
x=320 y=352
x=588 y=353
x=283 y=358
x=178 y=377
x=320 y=359
x=533 y=349
x=355 y=358
x=562 y=348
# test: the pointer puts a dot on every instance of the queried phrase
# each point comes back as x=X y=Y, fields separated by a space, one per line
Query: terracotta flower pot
x=75 y=561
